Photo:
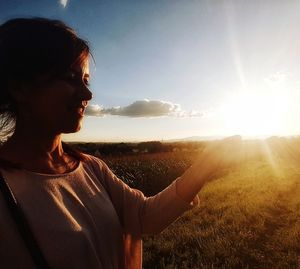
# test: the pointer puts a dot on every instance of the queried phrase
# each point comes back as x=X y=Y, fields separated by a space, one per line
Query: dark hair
x=29 y=49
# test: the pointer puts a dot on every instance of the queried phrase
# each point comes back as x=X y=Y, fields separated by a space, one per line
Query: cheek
x=52 y=107
x=58 y=96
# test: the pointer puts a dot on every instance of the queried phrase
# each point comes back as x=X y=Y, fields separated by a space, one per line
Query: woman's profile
x=80 y=214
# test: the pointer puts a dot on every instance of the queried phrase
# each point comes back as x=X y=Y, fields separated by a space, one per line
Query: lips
x=79 y=108
x=84 y=104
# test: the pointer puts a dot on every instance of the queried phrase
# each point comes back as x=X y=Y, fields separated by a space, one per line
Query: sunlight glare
x=255 y=113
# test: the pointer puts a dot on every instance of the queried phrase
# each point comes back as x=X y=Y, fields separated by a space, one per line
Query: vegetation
x=248 y=217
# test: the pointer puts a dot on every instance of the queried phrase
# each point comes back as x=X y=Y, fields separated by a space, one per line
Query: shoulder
x=92 y=160
x=95 y=164
x=98 y=169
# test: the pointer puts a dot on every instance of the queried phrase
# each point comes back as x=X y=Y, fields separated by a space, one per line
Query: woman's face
x=58 y=106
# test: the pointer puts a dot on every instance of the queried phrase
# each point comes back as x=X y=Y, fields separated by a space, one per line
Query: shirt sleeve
x=139 y=214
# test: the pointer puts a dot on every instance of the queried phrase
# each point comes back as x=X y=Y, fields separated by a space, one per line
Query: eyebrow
x=79 y=73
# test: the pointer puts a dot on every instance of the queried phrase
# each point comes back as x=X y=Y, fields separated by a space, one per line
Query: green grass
x=248 y=217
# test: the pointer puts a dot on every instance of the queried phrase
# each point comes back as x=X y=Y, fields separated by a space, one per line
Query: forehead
x=82 y=66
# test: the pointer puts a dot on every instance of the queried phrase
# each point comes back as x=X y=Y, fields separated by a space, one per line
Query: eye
x=76 y=78
x=86 y=82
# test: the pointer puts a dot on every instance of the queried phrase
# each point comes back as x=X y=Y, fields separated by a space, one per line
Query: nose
x=85 y=93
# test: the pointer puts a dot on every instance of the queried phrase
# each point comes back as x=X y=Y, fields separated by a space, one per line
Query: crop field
x=248 y=216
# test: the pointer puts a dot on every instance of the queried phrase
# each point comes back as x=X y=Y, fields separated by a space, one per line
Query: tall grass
x=248 y=217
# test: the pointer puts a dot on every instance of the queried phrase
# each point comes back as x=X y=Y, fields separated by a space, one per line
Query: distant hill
x=195 y=138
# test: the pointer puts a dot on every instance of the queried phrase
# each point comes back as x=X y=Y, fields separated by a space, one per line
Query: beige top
x=87 y=218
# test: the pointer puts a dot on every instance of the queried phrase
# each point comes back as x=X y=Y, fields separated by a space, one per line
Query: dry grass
x=248 y=216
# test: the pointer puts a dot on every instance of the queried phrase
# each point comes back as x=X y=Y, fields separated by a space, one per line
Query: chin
x=72 y=129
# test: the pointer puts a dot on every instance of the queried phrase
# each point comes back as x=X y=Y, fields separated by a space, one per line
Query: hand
x=216 y=156
x=219 y=155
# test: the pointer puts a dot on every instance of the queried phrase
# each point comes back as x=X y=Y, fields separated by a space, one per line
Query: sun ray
x=234 y=44
x=267 y=151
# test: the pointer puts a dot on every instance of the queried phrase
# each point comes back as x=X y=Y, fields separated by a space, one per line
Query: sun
x=255 y=113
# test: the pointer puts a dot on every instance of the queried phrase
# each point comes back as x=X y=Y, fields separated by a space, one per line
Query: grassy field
x=248 y=217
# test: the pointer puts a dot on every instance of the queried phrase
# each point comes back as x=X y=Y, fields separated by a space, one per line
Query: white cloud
x=143 y=108
x=276 y=79
x=94 y=110
x=63 y=2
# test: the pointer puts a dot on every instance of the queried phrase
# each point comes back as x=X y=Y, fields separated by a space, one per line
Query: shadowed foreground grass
x=248 y=216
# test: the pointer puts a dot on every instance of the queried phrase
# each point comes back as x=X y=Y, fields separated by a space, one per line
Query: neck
x=36 y=144
x=37 y=151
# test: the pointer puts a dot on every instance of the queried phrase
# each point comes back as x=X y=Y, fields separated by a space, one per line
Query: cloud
x=143 y=108
x=94 y=110
x=146 y=108
x=276 y=79
x=63 y=2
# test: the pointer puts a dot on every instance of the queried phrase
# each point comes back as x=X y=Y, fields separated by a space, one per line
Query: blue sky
x=172 y=69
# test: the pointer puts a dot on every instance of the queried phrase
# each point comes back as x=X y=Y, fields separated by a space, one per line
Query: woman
x=80 y=214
